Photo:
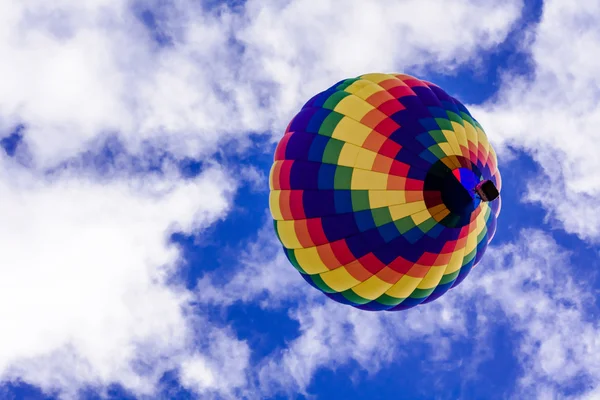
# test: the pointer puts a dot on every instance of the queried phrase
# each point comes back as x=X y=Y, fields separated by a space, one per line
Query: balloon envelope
x=374 y=192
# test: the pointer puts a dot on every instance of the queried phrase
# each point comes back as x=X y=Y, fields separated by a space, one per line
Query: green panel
x=317 y=280
x=438 y=136
x=427 y=225
x=381 y=216
x=449 y=278
x=350 y=295
x=343 y=85
x=444 y=123
x=329 y=124
x=404 y=224
x=454 y=117
x=343 y=178
x=389 y=300
x=439 y=153
x=334 y=99
x=360 y=200
x=332 y=151
x=470 y=256
x=421 y=293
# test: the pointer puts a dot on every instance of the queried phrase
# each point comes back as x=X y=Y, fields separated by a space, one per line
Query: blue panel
x=318 y=203
x=389 y=232
x=300 y=121
x=427 y=97
x=373 y=306
x=343 y=201
x=438 y=292
x=366 y=242
x=364 y=220
x=327 y=176
x=339 y=226
x=298 y=146
x=304 y=175
x=317 y=148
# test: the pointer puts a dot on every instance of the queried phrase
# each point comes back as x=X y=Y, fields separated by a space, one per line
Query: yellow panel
x=432 y=278
x=357 y=86
x=274 y=206
x=271 y=176
x=372 y=288
x=455 y=261
x=396 y=197
x=377 y=77
x=461 y=135
x=421 y=217
x=339 y=279
x=348 y=155
x=364 y=180
x=404 y=287
x=287 y=234
x=378 y=198
x=309 y=260
x=354 y=107
x=483 y=142
x=404 y=210
x=446 y=148
x=453 y=140
x=365 y=159
x=351 y=131
x=471 y=133
x=368 y=90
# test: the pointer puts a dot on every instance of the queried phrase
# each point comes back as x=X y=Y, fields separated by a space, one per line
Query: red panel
x=342 y=252
x=401 y=265
x=414 y=184
x=387 y=127
x=402 y=91
x=371 y=263
x=399 y=168
x=281 y=147
x=315 y=228
x=296 y=204
x=390 y=149
x=391 y=107
x=284 y=174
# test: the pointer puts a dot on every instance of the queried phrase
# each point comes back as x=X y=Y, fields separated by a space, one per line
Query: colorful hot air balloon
x=384 y=192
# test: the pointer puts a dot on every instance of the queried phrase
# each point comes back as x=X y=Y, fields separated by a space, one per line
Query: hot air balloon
x=384 y=192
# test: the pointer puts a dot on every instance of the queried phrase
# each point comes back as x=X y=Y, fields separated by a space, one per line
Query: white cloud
x=554 y=117
x=78 y=72
x=82 y=280
x=533 y=283
x=84 y=258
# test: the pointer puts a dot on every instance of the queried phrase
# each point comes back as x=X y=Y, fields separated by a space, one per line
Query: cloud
x=80 y=72
x=83 y=274
x=532 y=282
x=552 y=114
x=528 y=286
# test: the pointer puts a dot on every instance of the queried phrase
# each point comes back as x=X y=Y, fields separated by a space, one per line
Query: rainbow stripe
x=371 y=192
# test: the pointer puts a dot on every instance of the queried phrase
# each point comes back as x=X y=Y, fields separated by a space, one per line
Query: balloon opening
x=487 y=191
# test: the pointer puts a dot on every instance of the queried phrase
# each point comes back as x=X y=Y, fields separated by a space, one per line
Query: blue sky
x=139 y=256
